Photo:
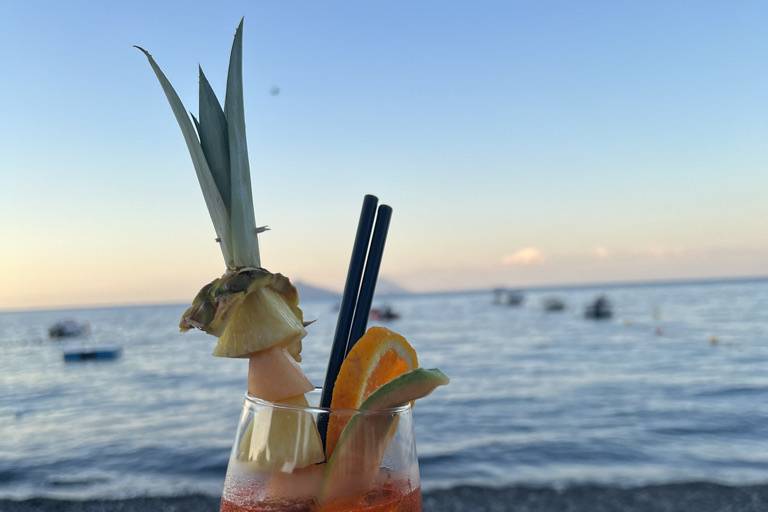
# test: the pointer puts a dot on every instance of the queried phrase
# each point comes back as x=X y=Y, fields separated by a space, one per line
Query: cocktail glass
x=374 y=467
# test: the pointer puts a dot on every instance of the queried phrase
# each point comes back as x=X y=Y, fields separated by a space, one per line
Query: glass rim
x=316 y=409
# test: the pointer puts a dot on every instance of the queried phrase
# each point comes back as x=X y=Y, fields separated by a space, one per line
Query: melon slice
x=274 y=375
x=354 y=464
x=281 y=439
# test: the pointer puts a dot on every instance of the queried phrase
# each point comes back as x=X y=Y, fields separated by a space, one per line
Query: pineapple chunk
x=282 y=439
x=263 y=320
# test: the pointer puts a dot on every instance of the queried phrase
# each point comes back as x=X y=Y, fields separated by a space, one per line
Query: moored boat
x=92 y=354
x=68 y=329
x=599 y=309
x=384 y=314
x=553 y=305
x=506 y=297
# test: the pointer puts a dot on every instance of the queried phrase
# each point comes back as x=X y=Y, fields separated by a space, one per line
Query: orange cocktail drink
x=272 y=467
x=390 y=497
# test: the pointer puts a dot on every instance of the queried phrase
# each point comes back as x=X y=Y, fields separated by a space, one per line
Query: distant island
x=389 y=287
x=311 y=292
x=384 y=287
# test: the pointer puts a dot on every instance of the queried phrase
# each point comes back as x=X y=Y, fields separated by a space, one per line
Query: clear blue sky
x=519 y=142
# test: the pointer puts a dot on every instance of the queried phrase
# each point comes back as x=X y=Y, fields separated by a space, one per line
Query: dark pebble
x=685 y=497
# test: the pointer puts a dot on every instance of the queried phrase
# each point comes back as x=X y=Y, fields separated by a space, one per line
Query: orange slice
x=377 y=358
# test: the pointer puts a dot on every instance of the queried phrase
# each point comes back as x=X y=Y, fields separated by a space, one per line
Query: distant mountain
x=311 y=292
x=387 y=286
x=383 y=288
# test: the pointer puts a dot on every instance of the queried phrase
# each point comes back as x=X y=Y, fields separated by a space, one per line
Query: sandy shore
x=687 y=497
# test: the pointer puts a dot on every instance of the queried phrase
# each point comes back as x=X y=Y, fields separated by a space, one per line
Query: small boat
x=507 y=297
x=553 y=304
x=68 y=329
x=92 y=354
x=515 y=298
x=384 y=314
x=599 y=309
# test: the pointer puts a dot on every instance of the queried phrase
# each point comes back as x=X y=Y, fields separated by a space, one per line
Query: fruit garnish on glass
x=349 y=446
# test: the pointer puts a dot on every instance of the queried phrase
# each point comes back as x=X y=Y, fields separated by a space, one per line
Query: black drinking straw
x=347 y=308
x=368 y=286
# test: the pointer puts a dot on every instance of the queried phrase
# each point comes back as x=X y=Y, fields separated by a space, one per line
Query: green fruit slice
x=355 y=461
x=406 y=388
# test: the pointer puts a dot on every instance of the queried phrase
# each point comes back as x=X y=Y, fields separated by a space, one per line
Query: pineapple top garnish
x=249 y=308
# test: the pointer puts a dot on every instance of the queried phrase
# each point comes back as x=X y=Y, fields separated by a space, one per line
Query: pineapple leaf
x=197 y=123
x=213 y=138
x=245 y=243
x=216 y=207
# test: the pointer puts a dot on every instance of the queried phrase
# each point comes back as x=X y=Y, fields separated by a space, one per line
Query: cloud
x=524 y=256
x=601 y=252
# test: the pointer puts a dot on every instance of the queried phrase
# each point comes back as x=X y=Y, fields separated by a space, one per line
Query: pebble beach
x=684 y=497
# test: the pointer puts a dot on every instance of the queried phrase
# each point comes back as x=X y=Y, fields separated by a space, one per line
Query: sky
x=520 y=143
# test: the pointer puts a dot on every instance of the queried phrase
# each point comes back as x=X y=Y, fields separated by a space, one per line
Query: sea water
x=673 y=388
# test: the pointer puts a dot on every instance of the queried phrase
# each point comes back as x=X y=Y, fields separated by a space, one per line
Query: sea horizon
x=586 y=285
